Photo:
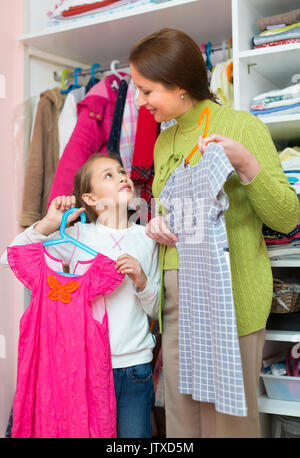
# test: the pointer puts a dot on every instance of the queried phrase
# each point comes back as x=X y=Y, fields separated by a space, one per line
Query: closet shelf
x=283 y=336
x=285 y=127
x=103 y=38
x=257 y=52
x=286 y=263
x=279 y=67
x=276 y=406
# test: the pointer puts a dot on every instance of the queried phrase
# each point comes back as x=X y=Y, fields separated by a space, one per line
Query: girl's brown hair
x=172 y=58
x=82 y=184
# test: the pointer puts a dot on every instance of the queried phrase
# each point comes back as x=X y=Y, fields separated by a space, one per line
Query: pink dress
x=65 y=385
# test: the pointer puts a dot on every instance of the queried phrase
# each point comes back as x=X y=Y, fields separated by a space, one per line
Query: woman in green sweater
x=169 y=71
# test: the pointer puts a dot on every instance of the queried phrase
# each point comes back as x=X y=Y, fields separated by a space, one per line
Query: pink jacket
x=95 y=115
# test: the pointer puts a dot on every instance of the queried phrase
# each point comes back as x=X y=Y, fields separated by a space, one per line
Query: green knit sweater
x=268 y=199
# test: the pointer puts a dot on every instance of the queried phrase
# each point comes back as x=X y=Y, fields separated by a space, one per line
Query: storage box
x=282 y=387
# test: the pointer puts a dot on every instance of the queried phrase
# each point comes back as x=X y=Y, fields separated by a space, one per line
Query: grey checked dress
x=210 y=366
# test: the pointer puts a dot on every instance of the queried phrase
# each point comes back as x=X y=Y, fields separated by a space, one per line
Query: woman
x=168 y=69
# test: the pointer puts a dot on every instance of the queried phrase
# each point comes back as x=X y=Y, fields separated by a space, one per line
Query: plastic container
x=282 y=387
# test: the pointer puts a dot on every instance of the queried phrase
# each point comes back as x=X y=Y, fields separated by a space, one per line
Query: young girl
x=103 y=190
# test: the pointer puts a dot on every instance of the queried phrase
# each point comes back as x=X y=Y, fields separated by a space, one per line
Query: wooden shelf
x=104 y=38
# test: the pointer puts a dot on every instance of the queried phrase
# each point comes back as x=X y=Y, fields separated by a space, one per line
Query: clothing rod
x=88 y=71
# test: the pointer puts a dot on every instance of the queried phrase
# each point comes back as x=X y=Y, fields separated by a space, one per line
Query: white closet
x=112 y=36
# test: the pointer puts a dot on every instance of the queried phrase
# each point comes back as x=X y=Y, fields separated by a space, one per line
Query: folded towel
x=287 y=18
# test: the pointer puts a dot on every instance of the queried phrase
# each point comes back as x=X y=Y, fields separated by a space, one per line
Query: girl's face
x=165 y=104
x=110 y=185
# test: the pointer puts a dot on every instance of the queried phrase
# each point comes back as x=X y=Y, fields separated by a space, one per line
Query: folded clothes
x=287 y=18
x=284 y=28
x=283 y=240
x=278 y=43
x=287 y=109
x=266 y=104
x=270 y=233
x=292 y=31
x=289 y=92
x=73 y=9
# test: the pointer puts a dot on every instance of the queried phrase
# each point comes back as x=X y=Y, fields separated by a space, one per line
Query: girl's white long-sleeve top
x=130 y=338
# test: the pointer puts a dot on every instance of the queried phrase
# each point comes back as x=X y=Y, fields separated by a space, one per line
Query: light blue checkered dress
x=210 y=366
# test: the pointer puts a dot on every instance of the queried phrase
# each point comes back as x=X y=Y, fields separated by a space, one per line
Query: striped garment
x=128 y=129
x=210 y=366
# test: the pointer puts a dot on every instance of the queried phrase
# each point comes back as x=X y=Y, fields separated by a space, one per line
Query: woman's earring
x=182 y=96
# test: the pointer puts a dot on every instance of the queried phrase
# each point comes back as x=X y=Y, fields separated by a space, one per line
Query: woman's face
x=165 y=104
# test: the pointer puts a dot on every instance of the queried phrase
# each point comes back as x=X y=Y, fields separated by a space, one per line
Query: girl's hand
x=245 y=164
x=130 y=266
x=51 y=222
x=158 y=231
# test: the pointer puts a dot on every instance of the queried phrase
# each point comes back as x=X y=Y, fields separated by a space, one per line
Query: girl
x=169 y=71
x=103 y=190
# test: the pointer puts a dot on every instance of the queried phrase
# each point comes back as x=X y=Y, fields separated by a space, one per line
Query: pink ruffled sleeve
x=104 y=278
x=25 y=262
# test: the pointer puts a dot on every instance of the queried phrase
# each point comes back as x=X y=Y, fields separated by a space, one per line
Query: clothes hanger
x=208 y=50
x=205 y=111
x=65 y=238
x=94 y=66
x=113 y=70
x=63 y=77
x=75 y=85
x=93 y=80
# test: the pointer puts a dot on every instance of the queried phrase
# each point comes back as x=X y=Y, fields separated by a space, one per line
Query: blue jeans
x=135 y=400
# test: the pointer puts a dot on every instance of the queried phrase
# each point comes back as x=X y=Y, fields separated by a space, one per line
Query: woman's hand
x=128 y=265
x=158 y=231
x=51 y=222
x=245 y=164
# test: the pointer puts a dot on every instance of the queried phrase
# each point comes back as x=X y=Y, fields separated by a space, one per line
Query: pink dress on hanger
x=65 y=385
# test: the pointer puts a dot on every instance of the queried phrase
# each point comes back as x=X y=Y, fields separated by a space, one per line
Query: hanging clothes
x=65 y=385
x=113 y=144
x=210 y=367
x=95 y=114
x=43 y=157
x=68 y=117
x=222 y=83
x=142 y=171
x=90 y=84
x=128 y=128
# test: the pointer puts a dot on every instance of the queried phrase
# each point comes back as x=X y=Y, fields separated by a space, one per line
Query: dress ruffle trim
x=25 y=261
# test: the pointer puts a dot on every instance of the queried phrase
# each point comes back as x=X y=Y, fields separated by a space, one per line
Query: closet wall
x=11 y=180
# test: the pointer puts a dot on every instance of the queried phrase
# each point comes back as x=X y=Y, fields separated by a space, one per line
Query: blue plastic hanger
x=75 y=85
x=67 y=238
x=94 y=66
x=208 y=50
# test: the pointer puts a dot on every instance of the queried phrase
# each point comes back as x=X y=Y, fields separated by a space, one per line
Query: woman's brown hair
x=172 y=58
x=82 y=184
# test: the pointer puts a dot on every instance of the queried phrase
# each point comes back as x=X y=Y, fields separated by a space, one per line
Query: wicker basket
x=286 y=297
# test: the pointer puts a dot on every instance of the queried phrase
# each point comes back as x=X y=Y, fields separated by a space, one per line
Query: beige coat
x=43 y=157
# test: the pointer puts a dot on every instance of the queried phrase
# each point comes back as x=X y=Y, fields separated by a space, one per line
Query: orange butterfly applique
x=59 y=291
